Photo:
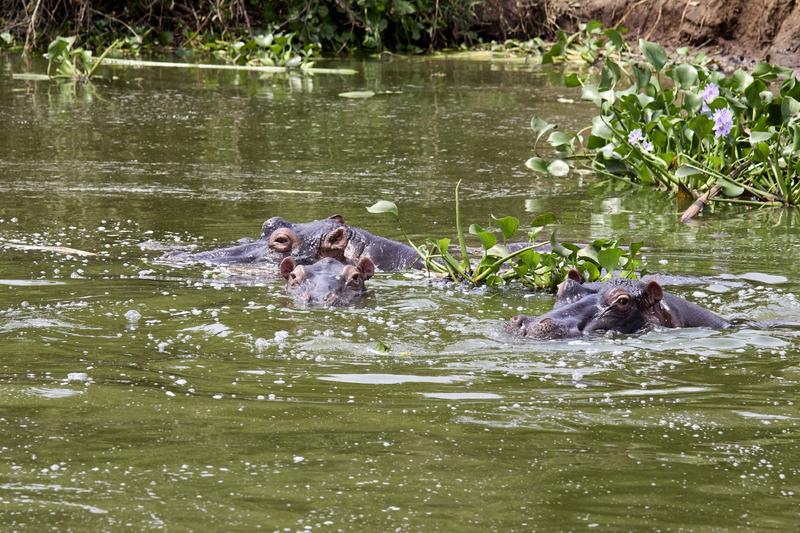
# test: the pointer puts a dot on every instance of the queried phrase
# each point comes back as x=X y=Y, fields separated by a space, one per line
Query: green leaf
x=384 y=206
x=752 y=94
x=654 y=53
x=589 y=252
x=558 y=168
x=692 y=102
x=685 y=75
x=615 y=38
x=498 y=250
x=486 y=237
x=594 y=142
x=508 y=225
x=264 y=41
x=609 y=76
x=760 y=136
x=572 y=80
x=58 y=46
x=741 y=80
x=537 y=164
x=382 y=347
x=559 y=138
x=684 y=171
x=642 y=75
x=600 y=128
x=609 y=258
x=789 y=107
x=540 y=127
x=729 y=188
x=795 y=139
x=768 y=72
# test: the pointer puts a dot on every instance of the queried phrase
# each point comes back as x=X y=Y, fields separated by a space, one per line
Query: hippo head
x=327 y=282
x=306 y=242
x=621 y=305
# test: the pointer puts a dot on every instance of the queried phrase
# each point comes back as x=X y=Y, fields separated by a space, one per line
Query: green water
x=223 y=407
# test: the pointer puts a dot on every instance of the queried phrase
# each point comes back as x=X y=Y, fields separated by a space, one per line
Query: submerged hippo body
x=327 y=282
x=621 y=305
x=307 y=243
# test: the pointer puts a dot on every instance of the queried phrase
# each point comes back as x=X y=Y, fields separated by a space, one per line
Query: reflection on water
x=139 y=394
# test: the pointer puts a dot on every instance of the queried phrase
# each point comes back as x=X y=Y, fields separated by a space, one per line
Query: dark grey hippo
x=621 y=305
x=327 y=282
x=306 y=243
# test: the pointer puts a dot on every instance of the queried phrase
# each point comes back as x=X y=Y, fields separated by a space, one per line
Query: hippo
x=279 y=238
x=306 y=243
x=621 y=305
x=327 y=282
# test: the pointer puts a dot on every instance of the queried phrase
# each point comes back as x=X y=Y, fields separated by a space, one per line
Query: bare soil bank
x=742 y=30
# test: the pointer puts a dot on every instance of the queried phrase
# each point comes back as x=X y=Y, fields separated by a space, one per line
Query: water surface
x=143 y=396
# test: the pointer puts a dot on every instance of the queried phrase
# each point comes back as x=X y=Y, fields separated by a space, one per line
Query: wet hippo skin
x=327 y=282
x=621 y=305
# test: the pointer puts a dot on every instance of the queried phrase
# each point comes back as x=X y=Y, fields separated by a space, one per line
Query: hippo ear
x=366 y=267
x=337 y=218
x=653 y=293
x=287 y=266
x=575 y=276
x=336 y=240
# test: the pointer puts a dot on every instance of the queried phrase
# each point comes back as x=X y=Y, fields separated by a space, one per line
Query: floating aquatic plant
x=536 y=264
x=677 y=124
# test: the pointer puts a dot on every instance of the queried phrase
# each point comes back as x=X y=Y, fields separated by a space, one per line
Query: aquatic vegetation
x=373 y=25
x=592 y=42
x=267 y=49
x=674 y=123
x=537 y=265
x=66 y=62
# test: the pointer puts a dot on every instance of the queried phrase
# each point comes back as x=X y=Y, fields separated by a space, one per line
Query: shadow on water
x=138 y=393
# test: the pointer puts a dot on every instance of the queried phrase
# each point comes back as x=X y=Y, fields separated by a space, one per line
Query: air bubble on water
x=133 y=316
x=281 y=335
x=298 y=459
x=78 y=376
x=261 y=344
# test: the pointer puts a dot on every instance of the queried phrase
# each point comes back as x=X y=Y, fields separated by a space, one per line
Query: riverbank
x=741 y=32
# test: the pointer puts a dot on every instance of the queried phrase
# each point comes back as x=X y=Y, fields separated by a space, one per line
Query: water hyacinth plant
x=537 y=265
x=676 y=124
x=68 y=63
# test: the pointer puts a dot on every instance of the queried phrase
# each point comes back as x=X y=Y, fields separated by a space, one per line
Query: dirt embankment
x=744 y=30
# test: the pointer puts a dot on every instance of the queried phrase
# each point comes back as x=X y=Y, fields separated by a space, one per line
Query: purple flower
x=635 y=136
x=710 y=92
x=723 y=122
x=647 y=146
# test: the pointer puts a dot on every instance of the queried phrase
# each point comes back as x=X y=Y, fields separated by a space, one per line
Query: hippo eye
x=623 y=301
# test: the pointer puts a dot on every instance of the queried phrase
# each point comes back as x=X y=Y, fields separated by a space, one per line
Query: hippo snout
x=516 y=326
x=542 y=329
